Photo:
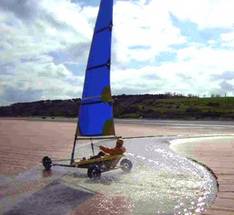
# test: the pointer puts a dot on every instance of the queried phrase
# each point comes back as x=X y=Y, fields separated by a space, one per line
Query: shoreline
x=71 y=119
x=223 y=203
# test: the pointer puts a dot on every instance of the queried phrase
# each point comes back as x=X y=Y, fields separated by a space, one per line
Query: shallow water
x=161 y=182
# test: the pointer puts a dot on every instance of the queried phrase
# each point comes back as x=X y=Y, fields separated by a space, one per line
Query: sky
x=158 y=46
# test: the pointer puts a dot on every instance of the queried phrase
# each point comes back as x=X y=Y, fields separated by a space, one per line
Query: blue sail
x=96 y=110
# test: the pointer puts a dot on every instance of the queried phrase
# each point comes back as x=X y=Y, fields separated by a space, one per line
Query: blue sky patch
x=87 y=2
x=140 y=47
x=165 y=57
x=193 y=34
x=179 y=46
x=59 y=57
x=76 y=69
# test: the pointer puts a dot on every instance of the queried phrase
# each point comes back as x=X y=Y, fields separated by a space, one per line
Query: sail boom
x=95 y=102
x=97 y=137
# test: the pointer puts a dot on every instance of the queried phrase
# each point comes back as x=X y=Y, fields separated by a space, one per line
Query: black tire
x=94 y=172
x=47 y=163
x=126 y=165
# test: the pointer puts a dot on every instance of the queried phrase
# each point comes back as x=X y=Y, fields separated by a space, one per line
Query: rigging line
x=92 y=146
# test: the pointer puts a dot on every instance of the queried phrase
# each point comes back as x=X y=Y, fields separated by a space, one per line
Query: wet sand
x=23 y=143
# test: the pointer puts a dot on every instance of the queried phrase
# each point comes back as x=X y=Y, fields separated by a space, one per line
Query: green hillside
x=163 y=106
x=177 y=108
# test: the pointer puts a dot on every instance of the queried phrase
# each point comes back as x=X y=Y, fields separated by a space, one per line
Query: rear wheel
x=47 y=163
x=126 y=165
x=94 y=172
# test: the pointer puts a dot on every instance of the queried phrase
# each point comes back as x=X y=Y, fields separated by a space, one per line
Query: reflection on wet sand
x=160 y=182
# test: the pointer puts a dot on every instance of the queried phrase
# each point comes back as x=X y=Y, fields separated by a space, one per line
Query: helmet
x=119 y=142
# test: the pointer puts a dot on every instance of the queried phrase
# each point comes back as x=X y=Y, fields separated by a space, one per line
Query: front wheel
x=126 y=165
x=94 y=172
x=47 y=163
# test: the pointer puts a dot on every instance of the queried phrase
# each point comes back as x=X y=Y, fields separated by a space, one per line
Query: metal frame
x=76 y=138
x=74 y=147
x=96 y=138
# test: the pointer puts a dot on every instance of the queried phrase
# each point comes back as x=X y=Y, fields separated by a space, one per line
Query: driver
x=119 y=149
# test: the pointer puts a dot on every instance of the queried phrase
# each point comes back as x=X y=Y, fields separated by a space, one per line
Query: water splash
x=161 y=181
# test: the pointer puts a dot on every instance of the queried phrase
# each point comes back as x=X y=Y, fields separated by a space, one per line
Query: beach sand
x=24 y=142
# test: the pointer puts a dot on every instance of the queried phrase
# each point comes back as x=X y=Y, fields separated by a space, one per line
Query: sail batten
x=109 y=27
x=96 y=110
x=98 y=66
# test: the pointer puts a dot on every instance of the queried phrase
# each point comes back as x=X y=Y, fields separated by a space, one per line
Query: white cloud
x=191 y=73
x=147 y=26
x=205 y=13
x=57 y=25
x=149 y=29
x=34 y=31
x=27 y=41
x=228 y=39
x=42 y=74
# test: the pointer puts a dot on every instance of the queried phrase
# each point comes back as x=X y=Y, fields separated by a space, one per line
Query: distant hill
x=161 y=106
